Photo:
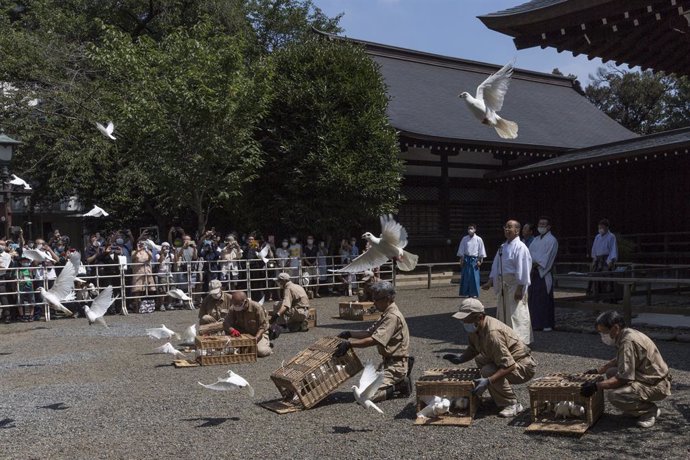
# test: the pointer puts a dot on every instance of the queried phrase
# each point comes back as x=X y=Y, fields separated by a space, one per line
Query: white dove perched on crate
x=369 y=382
x=389 y=246
x=63 y=287
x=489 y=100
x=231 y=382
x=99 y=306
x=435 y=406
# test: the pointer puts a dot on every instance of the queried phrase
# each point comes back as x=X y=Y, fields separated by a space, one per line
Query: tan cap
x=467 y=307
x=368 y=274
x=215 y=287
x=283 y=277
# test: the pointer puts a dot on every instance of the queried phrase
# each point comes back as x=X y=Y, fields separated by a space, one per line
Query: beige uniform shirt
x=639 y=359
x=217 y=308
x=391 y=334
x=294 y=296
x=498 y=343
x=248 y=321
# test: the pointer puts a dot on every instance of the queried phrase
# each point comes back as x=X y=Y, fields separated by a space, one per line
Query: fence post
x=393 y=273
x=249 y=280
x=428 y=281
x=190 y=285
x=123 y=290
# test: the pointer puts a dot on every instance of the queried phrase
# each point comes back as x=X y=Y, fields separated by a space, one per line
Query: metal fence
x=136 y=281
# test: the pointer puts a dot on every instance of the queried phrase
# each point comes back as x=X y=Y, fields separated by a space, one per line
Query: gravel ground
x=70 y=390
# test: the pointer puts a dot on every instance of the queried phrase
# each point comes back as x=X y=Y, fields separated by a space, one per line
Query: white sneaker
x=511 y=411
x=649 y=419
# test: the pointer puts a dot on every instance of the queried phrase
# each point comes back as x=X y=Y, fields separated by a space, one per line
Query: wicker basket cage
x=450 y=383
x=553 y=388
x=214 y=350
x=314 y=373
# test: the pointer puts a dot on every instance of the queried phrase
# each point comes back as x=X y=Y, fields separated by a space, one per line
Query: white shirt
x=472 y=246
x=543 y=251
x=515 y=260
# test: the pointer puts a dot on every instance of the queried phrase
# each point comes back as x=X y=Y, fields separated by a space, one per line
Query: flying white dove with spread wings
x=231 y=382
x=263 y=254
x=19 y=182
x=389 y=246
x=161 y=333
x=189 y=335
x=96 y=212
x=63 y=287
x=170 y=350
x=489 y=100
x=369 y=382
x=99 y=306
x=180 y=295
x=107 y=131
x=36 y=255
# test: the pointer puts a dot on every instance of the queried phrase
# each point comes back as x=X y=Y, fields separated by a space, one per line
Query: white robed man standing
x=510 y=279
x=543 y=250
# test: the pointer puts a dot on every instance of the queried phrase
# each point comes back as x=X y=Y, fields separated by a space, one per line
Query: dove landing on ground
x=170 y=350
x=107 y=131
x=369 y=382
x=99 y=306
x=63 y=288
x=231 y=382
x=19 y=182
x=489 y=101
x=161 y=333
x=389 y=246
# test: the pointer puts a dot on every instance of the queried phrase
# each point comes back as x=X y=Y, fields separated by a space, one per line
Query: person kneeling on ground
x=248 y=317
x=293 y=310
x=638 y=376
x=500 y=354
x=392 y=339
x=215 y=305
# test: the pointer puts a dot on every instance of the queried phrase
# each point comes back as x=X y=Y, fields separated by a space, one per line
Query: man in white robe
x=510 y=278
x=541 y=302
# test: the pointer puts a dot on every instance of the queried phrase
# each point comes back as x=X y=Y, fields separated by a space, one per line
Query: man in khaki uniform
x=248 y=317
x=392 y=339
x=215 y=305
x=294 y=308
x=500 y=354
x=637 y=377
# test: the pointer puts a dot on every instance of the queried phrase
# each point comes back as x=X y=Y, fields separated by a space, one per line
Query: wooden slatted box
x=311 y=318
x=313 y=374
x=358 y=311
x=450 y=383
x=554 y=388
x=215 y=350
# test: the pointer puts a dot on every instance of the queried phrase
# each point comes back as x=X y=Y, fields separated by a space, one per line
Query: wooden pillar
x=444 y=195
x=588 y=192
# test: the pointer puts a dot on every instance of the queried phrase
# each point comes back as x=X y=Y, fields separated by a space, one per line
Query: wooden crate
x=211 y=329
x=215 y=350
x=312 y=375
x=450 y=383
x=311 y=318
x=554 y=388
x=358 y=311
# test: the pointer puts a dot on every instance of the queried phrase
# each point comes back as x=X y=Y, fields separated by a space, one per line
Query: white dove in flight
x=189 y=335
x=369 y=382
x=435 y=406
x=231 y=382
x=20 y=182
x=180 y=295
x=99 y=306
x=264 y=253
x=36 y=255
x=169 y=349
x=62 y=290
x=96 y=212
x=161 y=333
x=107 y=131
x=389 y=245
x=489 y=101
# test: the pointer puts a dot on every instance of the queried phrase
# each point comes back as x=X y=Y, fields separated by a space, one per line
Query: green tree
x=331 y=155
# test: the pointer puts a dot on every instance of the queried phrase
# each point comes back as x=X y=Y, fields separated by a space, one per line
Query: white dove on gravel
x=389 y=246
x=189 y=335
x=489 y=101
x=107 y=131
x=96 y=212
x=19 y=182
x=169 y=349
x=161 y=333
x=37 y=255
x=231 y=382
x=99 y=306
x=435 y=406
x=369 y=382
x=180 y=295
x=63 y=287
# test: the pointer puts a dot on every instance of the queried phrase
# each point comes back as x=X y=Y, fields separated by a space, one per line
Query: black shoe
x=403 y=389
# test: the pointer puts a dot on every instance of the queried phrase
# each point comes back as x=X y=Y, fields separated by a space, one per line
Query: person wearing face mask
x=527 y=234
x=310 y=253
x=510 y=278
x=471 y=253
x=637 y=378
x=215 y=305
x=540 y=292
x=293 y=310
x=498 y=351
x=25 y=284
x=248 y=317
x=295 y=256
x=604 y=256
